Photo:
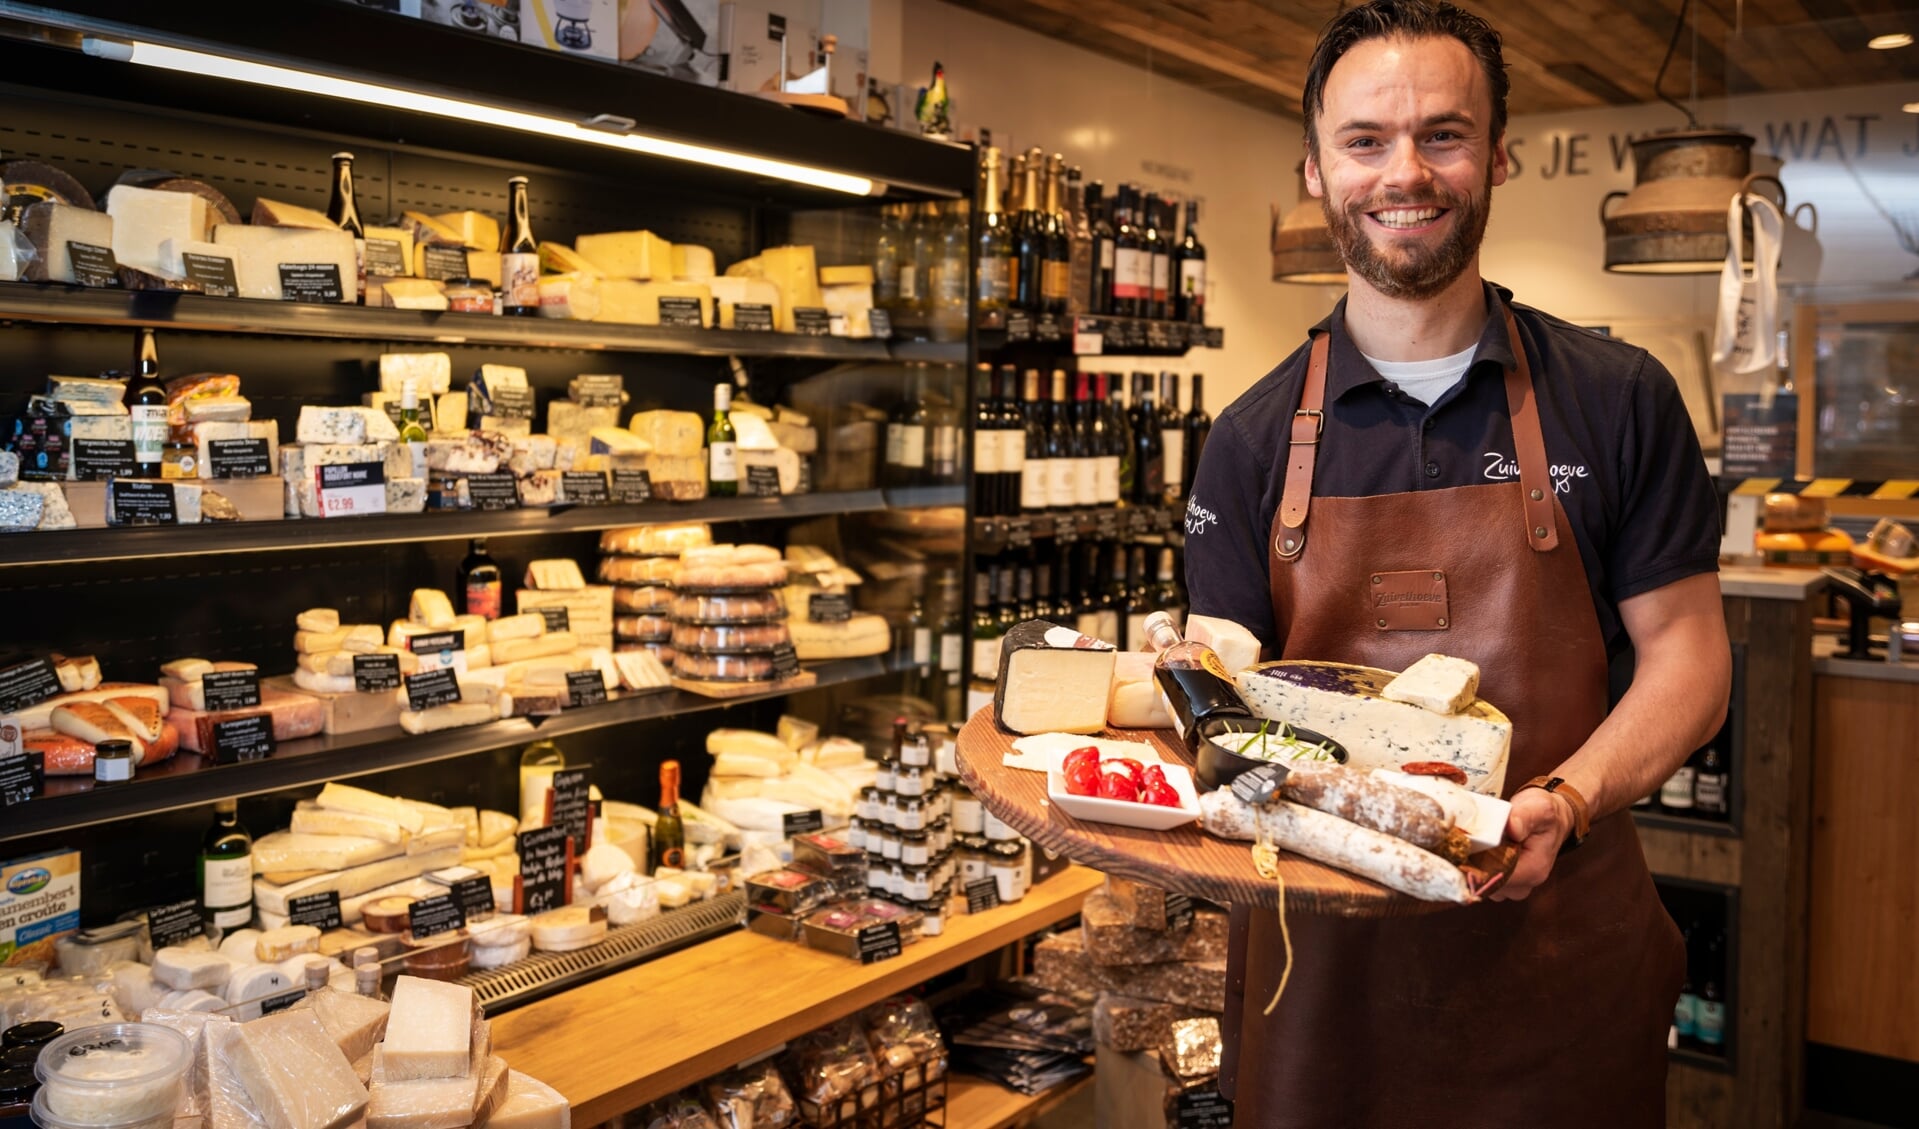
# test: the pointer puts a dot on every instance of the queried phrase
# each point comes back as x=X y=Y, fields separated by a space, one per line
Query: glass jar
x=889 y=810
x=915 y=752
x=913 y=849
x=940 y=834
x=1007 y=866
x=113 y=761
x=932 y=916
x=179 y=460
x=911 y=781
x=912 y=815
x=996 y=828
x=469 y=295
x=916 y=884
x=889 y=844
x=883 y=779
x=870 y=804
x=856 y=834
x=974 y=851
x=969 y=815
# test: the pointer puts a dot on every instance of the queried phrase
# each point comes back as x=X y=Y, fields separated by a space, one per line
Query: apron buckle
x=1289 y=543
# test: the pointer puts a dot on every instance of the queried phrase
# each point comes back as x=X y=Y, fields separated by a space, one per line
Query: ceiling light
x=392 y=97
x=1889 y=42
x=1674 y=219
x=1911 y=107
x=1303 y=248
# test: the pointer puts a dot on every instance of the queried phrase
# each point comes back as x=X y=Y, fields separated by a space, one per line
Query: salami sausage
x=1354 y=796
x=1393 y=863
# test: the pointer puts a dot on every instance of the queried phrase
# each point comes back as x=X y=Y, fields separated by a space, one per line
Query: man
x=1442 y=471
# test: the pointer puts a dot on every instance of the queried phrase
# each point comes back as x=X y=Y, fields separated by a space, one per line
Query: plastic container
x=724 y=668
x=116 y=1074
x=746 y=607
x=469 y=295
x=642 y=600
x=756 y=638
x=661 y=539
x=33 y=1033
x=638 y=570
x=648 y=628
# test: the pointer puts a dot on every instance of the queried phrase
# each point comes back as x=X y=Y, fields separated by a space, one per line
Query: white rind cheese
x=260 y=252
x=1439 y=683
x=430 y=1031
x=144 y=219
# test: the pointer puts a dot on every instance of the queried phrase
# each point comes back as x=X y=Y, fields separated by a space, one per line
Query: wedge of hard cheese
x=430 y=1033
x=273 y=897
x=531 y=1104
x=354 y=1022
x=1052 y=679
x=295 y=715
x=295 y=1074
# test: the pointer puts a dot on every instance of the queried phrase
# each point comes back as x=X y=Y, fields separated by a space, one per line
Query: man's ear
x=1314 y=186
x=1502 y=161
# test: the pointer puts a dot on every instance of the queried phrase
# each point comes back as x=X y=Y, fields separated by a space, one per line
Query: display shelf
x=1709 y=827
x=978 y=1103
x=1105 y=523
x=1101 y=335
x=1700 y=1059
x=693 y=1013
x=188 y=779
x=149 y=542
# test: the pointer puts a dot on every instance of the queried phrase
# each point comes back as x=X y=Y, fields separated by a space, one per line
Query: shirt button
x=1432 y=470
x=1427 y=424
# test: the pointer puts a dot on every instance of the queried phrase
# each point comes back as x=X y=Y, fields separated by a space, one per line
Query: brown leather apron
x=1548 y=1011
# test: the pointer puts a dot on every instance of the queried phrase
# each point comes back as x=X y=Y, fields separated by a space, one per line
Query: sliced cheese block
x=527 y=625
x=575 y=296
x=286 y=942
x=51 y=227
x=274 y=897
x=273 y=213
x=1137 y=705
x=531 y=1104
x=692 y=263
x=554 y=574
x=638 y=255
x=627 y=302
x=1052 y=679
x=670 y=433
x=346 y=797
x=262 y=250
x=295 y=1074
x=323 y=425
x=430 y=1032
x=558 y=258
x=181 y=969
x=849 y=310
x=856 y=275
x=477 y=230
x=794 y=270
x=730 y=292
x=516 y=650
x=863 y=634
x=414 y=294
x=431 y=373
x=354 y=1022
x=431 y=607
x=448 y=717
x=143 y=219
x=427 y=229
x=310 y=818
x=640 y=670
x=280 y=852
x=1236 y=647
x=1440 y=683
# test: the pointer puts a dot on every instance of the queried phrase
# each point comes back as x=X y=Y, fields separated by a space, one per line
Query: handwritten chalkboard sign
x=546 y=865
x=571 y=806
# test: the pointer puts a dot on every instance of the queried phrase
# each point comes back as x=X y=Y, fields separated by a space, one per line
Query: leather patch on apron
x=1409 y=601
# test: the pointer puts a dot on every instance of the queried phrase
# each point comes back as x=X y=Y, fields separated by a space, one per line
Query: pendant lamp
x=1674 y=219
x=1303 y=249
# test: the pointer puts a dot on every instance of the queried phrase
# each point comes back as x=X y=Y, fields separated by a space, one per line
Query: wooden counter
x=621 y=1041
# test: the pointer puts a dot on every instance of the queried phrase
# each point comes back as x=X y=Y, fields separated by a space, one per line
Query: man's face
x=1407 y=162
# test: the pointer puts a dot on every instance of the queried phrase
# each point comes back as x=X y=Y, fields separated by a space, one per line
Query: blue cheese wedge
x=1052 y=679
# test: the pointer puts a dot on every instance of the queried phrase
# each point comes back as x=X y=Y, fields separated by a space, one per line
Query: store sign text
x=1834 y=137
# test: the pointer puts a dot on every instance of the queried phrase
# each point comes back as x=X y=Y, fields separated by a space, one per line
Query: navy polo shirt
x=1621 y=450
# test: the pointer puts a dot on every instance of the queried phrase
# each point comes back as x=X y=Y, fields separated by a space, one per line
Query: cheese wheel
x=568 y=928
x=387 y=915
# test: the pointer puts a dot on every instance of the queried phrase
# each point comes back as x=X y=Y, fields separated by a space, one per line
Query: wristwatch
x=1582 y=817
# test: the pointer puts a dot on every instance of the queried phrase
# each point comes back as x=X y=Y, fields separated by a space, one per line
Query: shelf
x=1686 y=1056
x=688 y=1015
x=148 y=542
x=1101 y=335
x=188 y=779
x=977 y=1103
x=993 y=534
x=1710 y=827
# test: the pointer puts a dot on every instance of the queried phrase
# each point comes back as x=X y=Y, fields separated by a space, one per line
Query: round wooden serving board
x=1185 y=859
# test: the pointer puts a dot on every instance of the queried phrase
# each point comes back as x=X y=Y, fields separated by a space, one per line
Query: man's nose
x=1406 y=167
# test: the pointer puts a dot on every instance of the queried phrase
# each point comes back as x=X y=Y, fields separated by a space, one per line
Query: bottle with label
x=1086 y=458
x=412 y=435
x=1166 y=595
x=1712 y=783
x=669 y=831
x=1029 y=239
x=1195 y=684
x=1137 y=602
x=519 y=257
x=1189 y=264
x=538 y=762
x=1685 y=1010
x=1058 y=279
x=1062 y=453
x=917 y=258
x=722 y=447
x=1172 y=437
x=1023 y=606
x=481 y=584
x=1197 y=426
x=1100 y=299
x=1159 y=258
x=942 y=432
x=1127 y=257
x=951 y=654
x=986 y=446
x=1122 y=424
x=906 y=434
x=994 y=268
x=1149 y=449
x=344 y=210
x=917 y=649
x=1675 y=795
x=1710 y=1019
x=1010 y=431
x=886 y=256
x=986 y=630
x=1035 y=479
x=1079 y=236
x=1105 y=445
x=226 y=870
x=146 y=401
x=949 y=274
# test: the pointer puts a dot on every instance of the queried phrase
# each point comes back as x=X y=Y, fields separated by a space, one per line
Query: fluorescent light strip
x=373 y=94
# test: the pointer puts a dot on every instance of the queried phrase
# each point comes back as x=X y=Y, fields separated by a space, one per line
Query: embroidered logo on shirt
x=1198 y=517
x=1504 y=468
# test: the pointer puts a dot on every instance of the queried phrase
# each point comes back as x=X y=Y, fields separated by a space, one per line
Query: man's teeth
x=1407 y=217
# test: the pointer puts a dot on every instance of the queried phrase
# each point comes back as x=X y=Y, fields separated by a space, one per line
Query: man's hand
x=1538 y=824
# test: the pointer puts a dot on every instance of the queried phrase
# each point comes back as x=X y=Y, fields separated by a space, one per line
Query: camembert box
x=39 y=903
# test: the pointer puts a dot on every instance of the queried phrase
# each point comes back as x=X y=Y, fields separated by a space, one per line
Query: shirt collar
x=1348 y=368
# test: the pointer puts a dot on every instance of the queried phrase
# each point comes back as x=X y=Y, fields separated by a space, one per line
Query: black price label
x=571 y=807
x=584 y=487
x=24 y=684
x=598 y=391
x=282 y=1001
x=475 y=896
x=631 y=486
x=585 y=688
x=881 y=321
x=374 y=673
x=440 y=262
x=812 y=321
x=1047 y=328
x=775 y=26
x=239 y=458
x=510 y=403
x=786 y=661
x=1066 y=529
x=557 y=619
x=1019 y=325
x=97 y=459
x=829 y=607
x=761 y=482
x=212 y=273
x=311 y=282
x=880 y=941
x=802 y=822
x=981 y=895
x=1179 y=911
x=436 y=643
x=1213 y=336
x=23 y=776
x=322 y=911
x=142 y=503
x=432 y=688
x=1202 y=1109
x=493 y=491
x=231 y=689
x=248 y=738
x=1138 y=521
x=546 y=856
x=682 y=313
x=430 y=917
x=1019 y=533
x=753 y=317
x=93 y=265
x=175 y=923
x=1106 y=524
x=386 y=257
x=1158 y=335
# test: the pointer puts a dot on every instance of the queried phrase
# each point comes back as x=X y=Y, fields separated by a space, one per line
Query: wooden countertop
x=623 y=1040
x=1769 y=583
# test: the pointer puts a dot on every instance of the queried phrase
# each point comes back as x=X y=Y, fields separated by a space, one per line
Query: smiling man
x=1539 y=489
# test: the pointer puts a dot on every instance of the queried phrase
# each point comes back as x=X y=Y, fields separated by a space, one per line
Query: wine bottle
x=1711 y=783
x=226 y=870
x=1023 y=594
x=1197 y=426
x=1189 y=264
x=412 y=435
x=1059 y=247
x=917 y=259
x=986 y=630
x=911 y=467
x=942 y=432
x=344 y=210
x=146 y=400
x=1061 y=451
x=1685 y=1010
x=986 y=445
x=1137 y=603
x=1131 y=260
x=1010 y=428
x=1101 y=297
x=1199 y=693
x=949 y=274
x=1035 y=481
x=995 y=244
x=1122 y=424
x=1159 y=263
x=1165 y=595
x=669 y=829
x=722 y=447
x=952 y=648
x=1149 y=452
x=1029 y=240
x=519 y=257
x=1675 y=794
x=481 y=584
x=1086 y=457
x=1079 y=231
x=1105 y=449
x=916 y=649
x=888 y=251
x=1710 y=1021
x=1172 y=437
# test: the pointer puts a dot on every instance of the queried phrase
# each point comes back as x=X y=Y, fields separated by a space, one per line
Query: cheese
x=795 y=271
x=330 y=426
x=478 y=231
x=669 y=433
x=558 y=258
x=427 y=229
x=273 y=213
x=310 y=818
x=855 y=638
x=260 y=251
x=405 y=495
x=205 y=435
x=144 y=219
x=576 y=422
x=398 y=252
x=639 y=670
x=603 y=863
x=252 y=984
x=280 y=852
x=574 y=296
x=431 y=607
x=431 y=373
x=849 y=309
x=613 y=441
x=286 y=942
x=430 y=1032
x=274 y=897
x=857 y=275
x=796 y=732
x=50 y=227
x=692 y=263
x=1052 y=680
x=173 y=253
x=1439 y=683
x=1137 y=705
x=1236 y=647
x=531 y=1104
x=354 y=1022
x=784 y=464
x=639 y=255
x=295 y=1074
x=555 y=574
x=569 y=928
x=730 y=292
x=638 y=303
x=540 y=488
x=476 y=452
x=102 y=427
x=14 y=251
x=526 y=625
x=1347 y=704
x=413 y=294
x=181 y=969
x=532 y=452
x=447 y=717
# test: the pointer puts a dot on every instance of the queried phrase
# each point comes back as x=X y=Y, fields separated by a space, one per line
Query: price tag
x=442 y=650
x=786 y=661
x=802 y=822
x=584 y=488
x=585 y=688
x=322 y=911
x=475 y=896
x=95 y=460
x=1087 y=344
x=570 y=806
x=375 y=673
x=239 y=458
x=631 y=486
x=431 y=688
x=351 y=489
x=1213 y=336
x=1137 y=522
x=1066 y=529
x=1019 y=326
x=510 y=403
x=881 y=321
x=981 y=895
x=682 y=313
x=311 y=282
x=248 y=738
x=1179 y=911
x=441 y=262
x=493 y=491
x=93 y=265
x=213 y=274
x=557 y=619
x=753 y=317
x=27 y=683
x=385 y=257
x=23 y=776
x=812 y=321
x=231 y=689
x=282 y=1001
x=175 y=923
x=761 y=482
x=597 y=391
x=142 y=503
x=546 y=867
x=829 y=607
x=429 y=917
x=1047 y=328
x=1106 y=525
x=880 y=941
x=1202 y=1109
x=1019 y=533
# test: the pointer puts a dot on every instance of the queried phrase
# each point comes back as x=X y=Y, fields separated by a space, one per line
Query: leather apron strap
x=1309 y=423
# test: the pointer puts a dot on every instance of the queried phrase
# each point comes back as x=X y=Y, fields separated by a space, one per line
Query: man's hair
x=1413 y=19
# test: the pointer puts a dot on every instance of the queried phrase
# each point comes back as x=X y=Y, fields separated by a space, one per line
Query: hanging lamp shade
x=1303 y=249
x=1674 y=219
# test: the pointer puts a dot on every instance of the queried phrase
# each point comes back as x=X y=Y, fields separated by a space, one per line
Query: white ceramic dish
x=1129 y=813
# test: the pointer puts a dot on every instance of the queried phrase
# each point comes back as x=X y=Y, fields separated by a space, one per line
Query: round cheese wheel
x=568 y=928
x=499 y=956
x=386 y=915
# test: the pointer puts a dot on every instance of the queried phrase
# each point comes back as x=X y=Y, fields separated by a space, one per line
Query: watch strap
x=1582 y=813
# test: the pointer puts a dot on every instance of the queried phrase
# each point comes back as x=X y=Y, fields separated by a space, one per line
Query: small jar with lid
x=896 y=880
x=113 y=761
x=469 y=295
x=869 y=807
x=911 y=781
x=996 y=829
x=932 y=916
x=889 y=844
x=889 y=810
x=856 y=834
x=914 y=850
x=974 y=852
x=940 y=834
x=939 y=802
x=179 y=459
x=1007 y=866
x=914 y=750
x=883 y=778
x=969 y=815
x=916 y=883
x=911 y=814
x=875 y=873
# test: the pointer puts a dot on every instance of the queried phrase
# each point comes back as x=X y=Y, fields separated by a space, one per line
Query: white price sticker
x=351 y=490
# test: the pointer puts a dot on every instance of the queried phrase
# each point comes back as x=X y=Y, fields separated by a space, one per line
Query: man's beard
x=1413 y=271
